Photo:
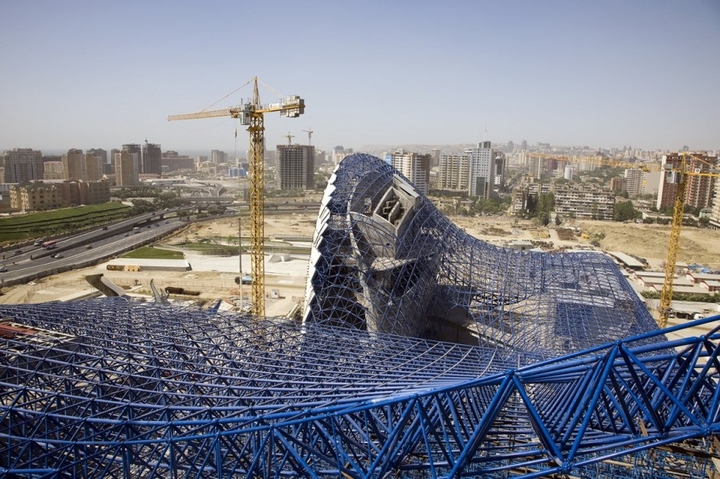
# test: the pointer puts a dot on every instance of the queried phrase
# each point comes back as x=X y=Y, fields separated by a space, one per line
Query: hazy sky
x=84 y=74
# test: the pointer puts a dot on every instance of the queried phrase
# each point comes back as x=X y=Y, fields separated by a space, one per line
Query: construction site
x=421 y=352
x=418 y=351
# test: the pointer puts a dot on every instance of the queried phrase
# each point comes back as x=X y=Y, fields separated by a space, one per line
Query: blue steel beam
x=111 y=400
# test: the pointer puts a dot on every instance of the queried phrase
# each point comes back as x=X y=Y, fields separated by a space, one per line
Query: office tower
x=498 y=173
x=296 y=167
x=414 y=166
x=698 y=189
x=110 y=170
x=151 y=159
x=74 y=164
x=127 y=166
x=22 y=165
x=480 y=170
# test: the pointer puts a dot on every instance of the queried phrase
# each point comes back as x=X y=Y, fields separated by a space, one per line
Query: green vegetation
x=625 y=211
x=61 y=221
x=698 y=298
x=540 y=207
x=148 y=252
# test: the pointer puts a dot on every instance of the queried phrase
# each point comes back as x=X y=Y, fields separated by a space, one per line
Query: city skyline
x=86 y=75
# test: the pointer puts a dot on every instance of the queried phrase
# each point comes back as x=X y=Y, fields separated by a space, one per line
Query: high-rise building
x=296 y=167
x=53 y=170
x=454 y=172
x=74 y=164
x=22 y=165
x=480 y=177
x=151 y=155
x=338 y=154
x=217 y=156
x=698 y=189
x=173 y=161
x=715 y=214
x=633 y=182
x=102 y=155
x=94 y=167
x=498 y=172
x=127 y=166
x=435 y=154
x=414 y=166
x=618 y=184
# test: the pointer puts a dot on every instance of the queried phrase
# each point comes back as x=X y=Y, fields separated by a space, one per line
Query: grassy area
x=154 y=253
x=56 y=222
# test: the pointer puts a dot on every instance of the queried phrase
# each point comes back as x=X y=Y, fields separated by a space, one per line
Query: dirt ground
x=697 y=246
x=700 y=246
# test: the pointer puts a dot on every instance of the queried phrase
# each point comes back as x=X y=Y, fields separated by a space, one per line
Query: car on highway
x=57 y=255
x=18 y=252
x=3 y=268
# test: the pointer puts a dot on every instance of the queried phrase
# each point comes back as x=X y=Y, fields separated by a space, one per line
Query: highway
x=29 y=262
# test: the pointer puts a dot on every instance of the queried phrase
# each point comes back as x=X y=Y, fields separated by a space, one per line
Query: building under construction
x=422 y=352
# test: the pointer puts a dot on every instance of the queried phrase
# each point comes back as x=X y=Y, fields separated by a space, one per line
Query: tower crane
x=309 y=132
x=289 y=136
x=680 y=176
x=252 y=114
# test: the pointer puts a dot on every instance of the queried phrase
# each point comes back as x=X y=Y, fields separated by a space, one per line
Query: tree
x=625 y=211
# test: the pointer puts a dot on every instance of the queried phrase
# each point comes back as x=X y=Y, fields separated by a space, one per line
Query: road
x=84 y=249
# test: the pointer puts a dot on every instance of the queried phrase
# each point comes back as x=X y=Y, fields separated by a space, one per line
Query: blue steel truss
x=384 y=259
x=563 y=370
x=111 y=388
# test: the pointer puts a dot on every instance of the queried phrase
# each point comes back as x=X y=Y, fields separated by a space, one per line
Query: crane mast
x=252 y=115
x=257 y=205
x=674 y=246
x=681 y=175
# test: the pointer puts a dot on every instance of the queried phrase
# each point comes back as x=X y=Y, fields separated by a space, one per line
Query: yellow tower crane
x=679 y=177
x=252 y=115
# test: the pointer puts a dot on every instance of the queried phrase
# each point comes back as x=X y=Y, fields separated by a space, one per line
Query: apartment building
x=454 y=172
x=48 y=195
x=22 y=165
x=699 y=190
x=414 y=166
x=585 y=203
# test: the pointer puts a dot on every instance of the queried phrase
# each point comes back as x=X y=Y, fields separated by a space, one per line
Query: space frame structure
x=386 y=260
x=566 y=374
x=112 y=388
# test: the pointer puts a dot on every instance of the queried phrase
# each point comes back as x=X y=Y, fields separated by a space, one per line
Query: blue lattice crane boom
x=252 y=114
